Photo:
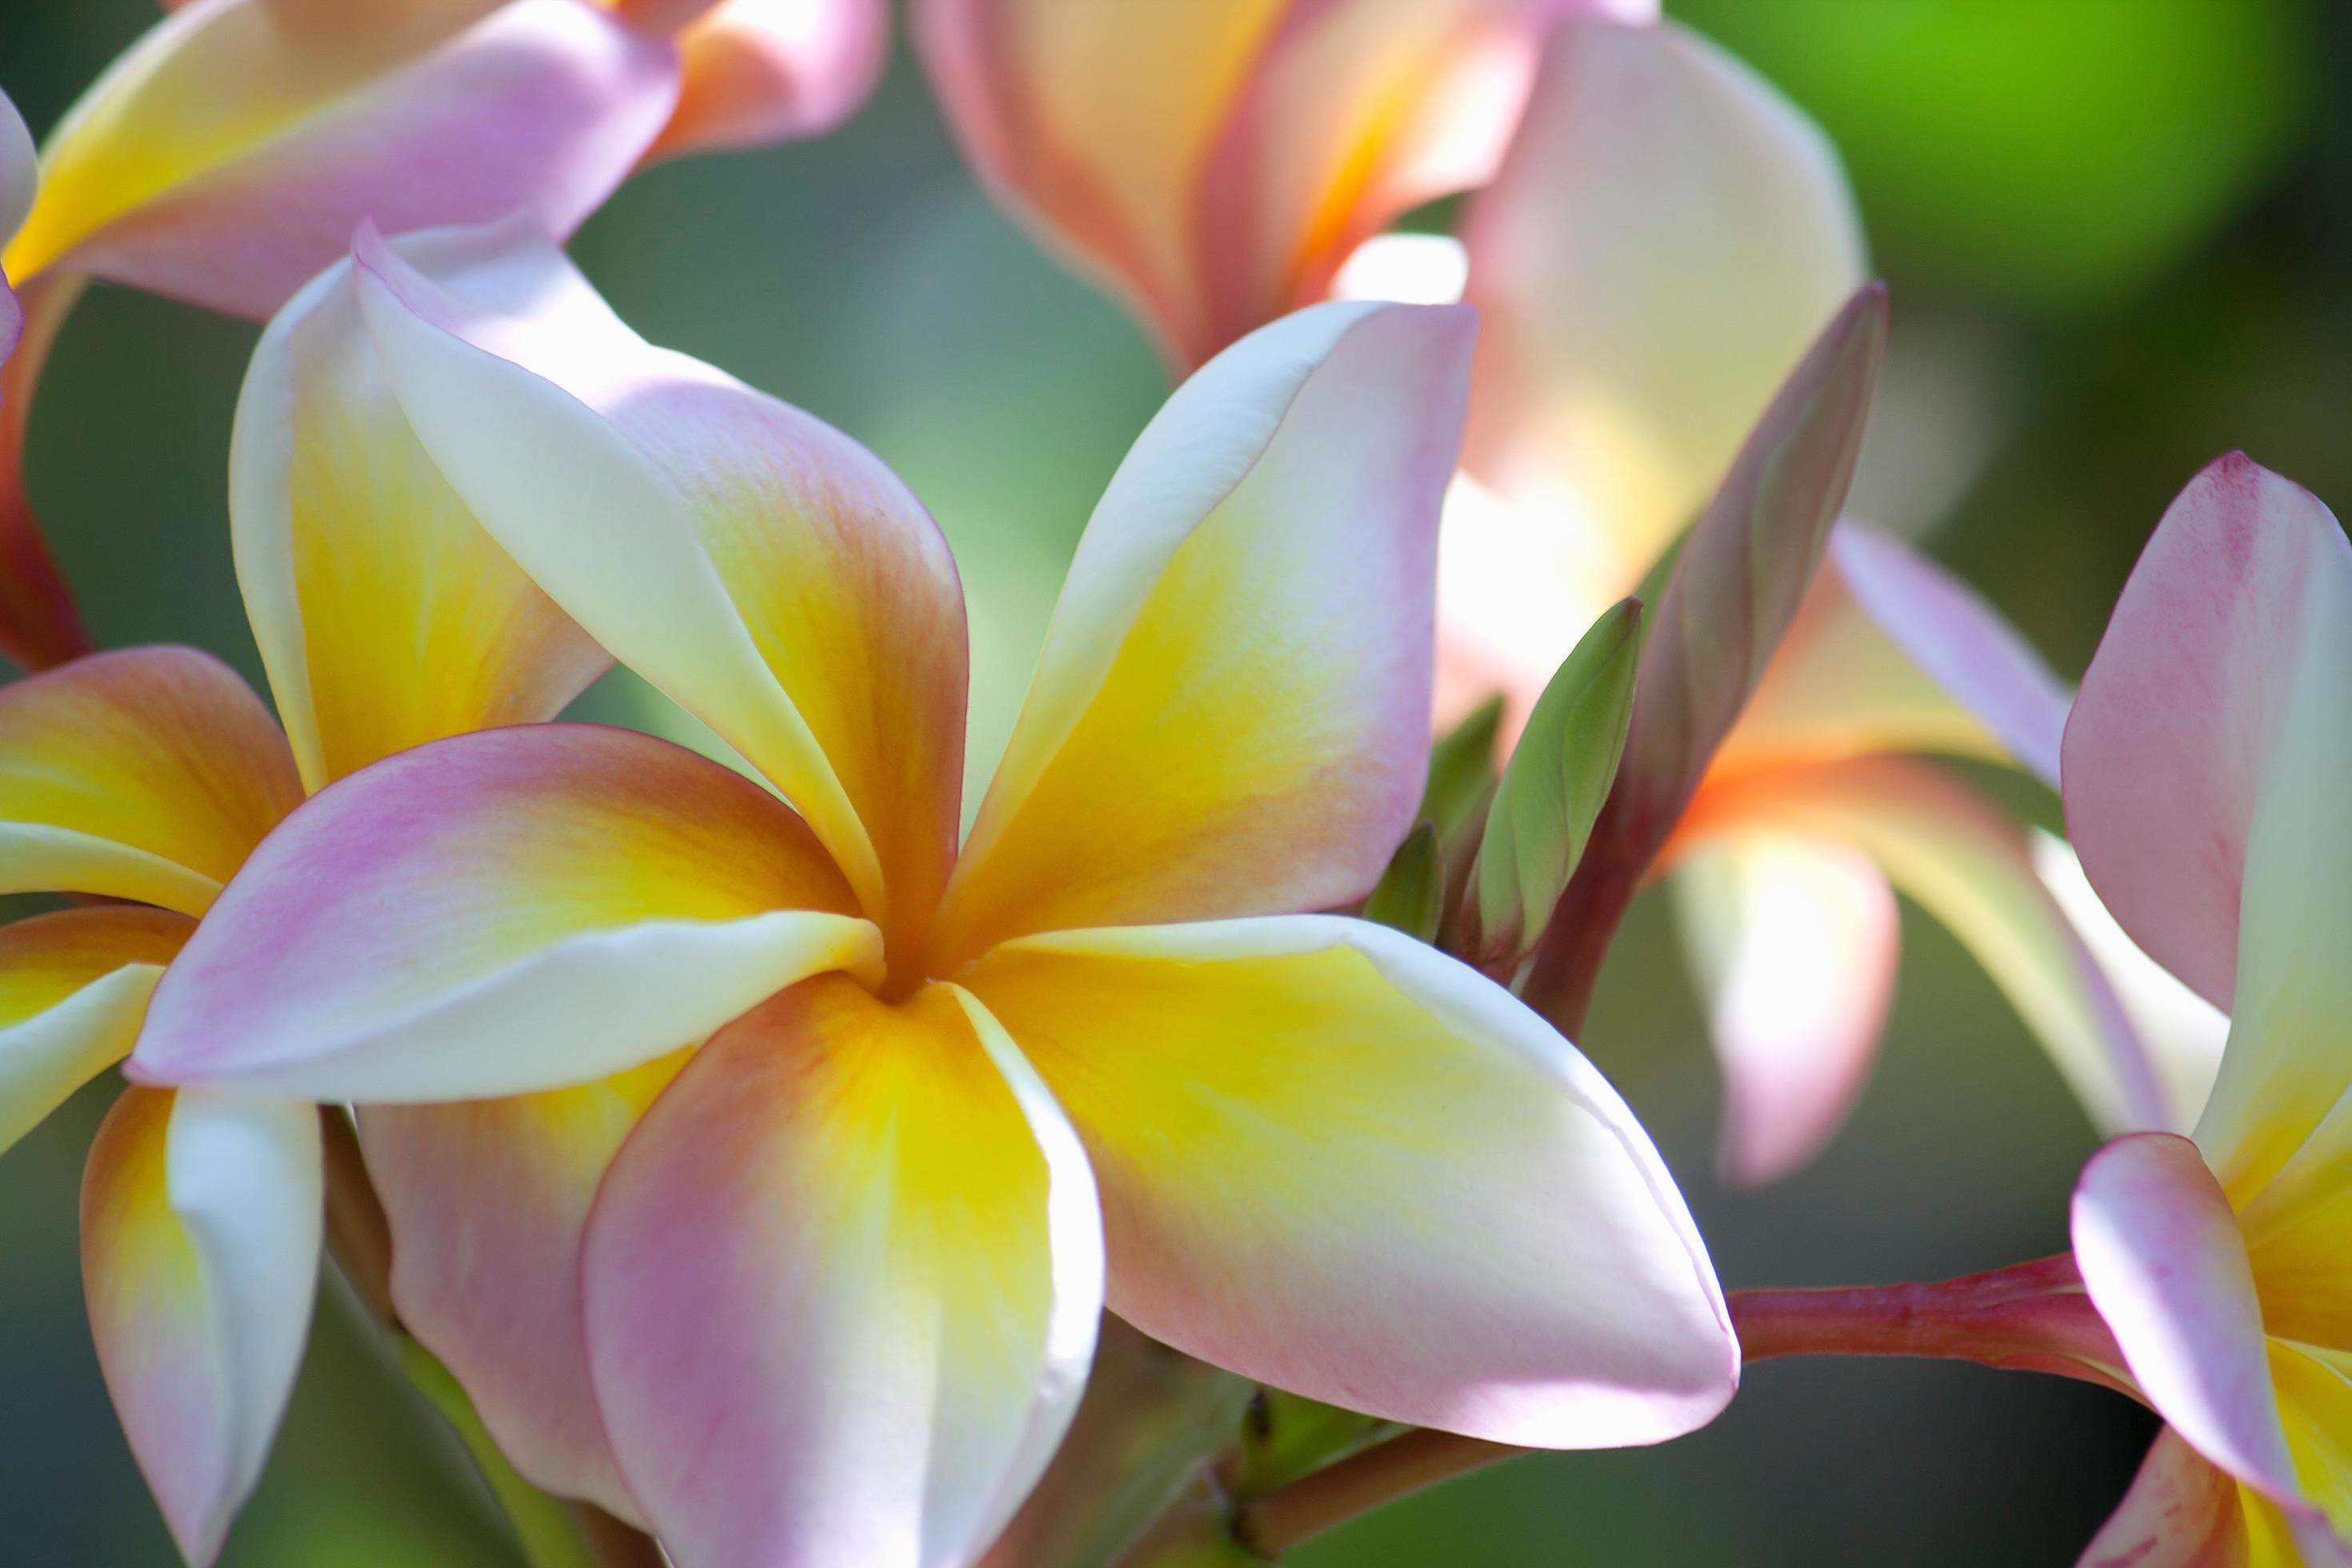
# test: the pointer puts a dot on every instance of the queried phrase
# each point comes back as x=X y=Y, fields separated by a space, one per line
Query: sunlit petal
x=148 y=775
x=385 y=615
x=488 y=1200
x=2162 y=1258
x=505 y=911
x=200 y=1218
x=1230 y=715
x=1214 y=164
x=752 y=562
x=73 y=986
x=223 y=161
x=1889 y=653
x=1665 y=238
x=2247 y=579
x=758 y=71
x=1794 y=940
x=1338 y=1161
x=1970 y=866
x=842 y=1287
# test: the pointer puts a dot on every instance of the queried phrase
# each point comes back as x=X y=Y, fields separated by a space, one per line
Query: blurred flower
x=840 y=1285
x=1817 y=807
x=2206 y=771
x=227 y=155
x=385 y=618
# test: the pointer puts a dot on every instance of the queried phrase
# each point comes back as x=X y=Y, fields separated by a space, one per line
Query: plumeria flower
x=839 y=1286
x=1821 y=804
x=2206 y=769
x=224 y=158
x=386 y=617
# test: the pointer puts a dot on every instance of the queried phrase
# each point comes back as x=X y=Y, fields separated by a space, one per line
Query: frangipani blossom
x=2206 y=770
x=148 y=775
x=1214 y=162
x=226 y=157
x=1818 y=807
x=840 y=1283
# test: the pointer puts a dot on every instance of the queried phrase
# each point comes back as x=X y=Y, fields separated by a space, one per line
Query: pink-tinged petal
x=2165 y=1264
x=1338 y=1161
x=385 y=615
x=488 y=1200
x=73 y=986
x=1970 y=866
x=842 y=1287
x=147 y=774
x=2181 y=1032
x=1230 y=712
x=1213 y=164
x=222 y=162
x=200 y=1220
x=20 y=175
x=754 y=564
x=1890 y=654
x=2170 y=741
x=506 y=911
x=39 y=625
x=2182 y=1511
x=1794 y=940
x=755 y=72
x=1665 y=237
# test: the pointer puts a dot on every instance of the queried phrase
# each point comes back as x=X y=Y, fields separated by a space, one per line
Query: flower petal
x=1338 y=1161
x=222 y=162
x=1230 y=712
x=73 y=986
x=510 y=911
x=1794 y=940
x=2164 y=1262
x=1665 y=237
x=756 y=564
x=2182 y=1511
x=1971 y=866
x=488 y=1200
x=385 y=615
x=1216 y=163
x=148 y=775
x=200 y=1218
x=20 y=176
x=39 y=625
x=2246 y=579
x=842 y=1285
x=761 y=71
x=1890 y=654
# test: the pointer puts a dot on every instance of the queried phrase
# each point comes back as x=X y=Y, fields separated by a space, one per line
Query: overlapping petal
x=488 y=1200
x=148 y=775
x=385 y=615
x=200 y=1220
x=756 y=564
x=1665 y=237
x=874 y=1368
x=19 y=177
x=1794 y=938
x=2184 y=1511
x=1216 y=162
x=756 y=72
x=1971 y=867
x=2164 y=1262
x=501 y=912
x=1889 y=653
x=1337 y=1162
x=1230 y=715
x=73 y=986
x=2167 y=752
x=39 y=625
x=226 y=156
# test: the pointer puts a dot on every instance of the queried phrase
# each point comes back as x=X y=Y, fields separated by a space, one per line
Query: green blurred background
x=2120 y=238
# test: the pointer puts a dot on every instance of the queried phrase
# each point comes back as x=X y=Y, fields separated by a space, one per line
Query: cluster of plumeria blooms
x=751 y=1153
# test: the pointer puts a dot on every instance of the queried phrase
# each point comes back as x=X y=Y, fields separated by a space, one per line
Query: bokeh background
x=2120 y=241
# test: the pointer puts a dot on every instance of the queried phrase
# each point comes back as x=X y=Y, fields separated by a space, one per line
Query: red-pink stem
x=2034 y=1317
